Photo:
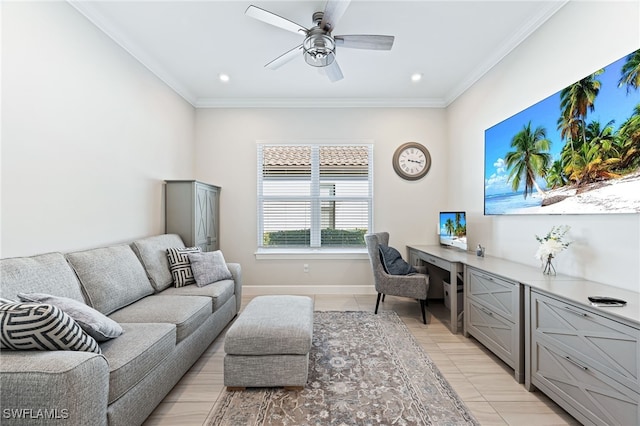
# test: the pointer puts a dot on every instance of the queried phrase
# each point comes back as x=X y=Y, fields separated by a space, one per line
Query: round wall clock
x=411 y=161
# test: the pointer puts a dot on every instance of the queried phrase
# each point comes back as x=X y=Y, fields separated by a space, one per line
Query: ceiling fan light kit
x=319 y=46
x=319 y=49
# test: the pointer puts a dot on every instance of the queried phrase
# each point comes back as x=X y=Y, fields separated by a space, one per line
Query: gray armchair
x=414 y=286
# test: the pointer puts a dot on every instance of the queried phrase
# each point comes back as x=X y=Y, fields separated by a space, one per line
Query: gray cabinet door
x=586 y=362
x=206 y=217
x=192 y=211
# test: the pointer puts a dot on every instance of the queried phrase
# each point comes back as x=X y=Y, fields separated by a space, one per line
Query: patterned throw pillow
x=96 y=324
x=42 y=327
x=180 y=266
x=209 y=267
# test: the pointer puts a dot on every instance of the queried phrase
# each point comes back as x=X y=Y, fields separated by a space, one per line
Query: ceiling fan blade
x=333 y=11
x=333 y=71
x=364 y=41
x=284 y=58
x=275 y=20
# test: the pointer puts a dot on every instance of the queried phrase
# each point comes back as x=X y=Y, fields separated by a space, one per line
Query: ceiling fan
x=319 y=45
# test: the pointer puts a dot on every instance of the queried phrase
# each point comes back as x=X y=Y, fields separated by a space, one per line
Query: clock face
x=411 y=161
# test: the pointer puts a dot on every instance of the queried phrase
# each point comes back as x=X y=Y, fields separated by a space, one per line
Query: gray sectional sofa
x=166 y=329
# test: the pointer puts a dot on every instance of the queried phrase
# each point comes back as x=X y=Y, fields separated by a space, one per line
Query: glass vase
x=549 y=269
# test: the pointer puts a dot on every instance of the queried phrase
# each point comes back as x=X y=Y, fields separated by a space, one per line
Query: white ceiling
x=188 y=44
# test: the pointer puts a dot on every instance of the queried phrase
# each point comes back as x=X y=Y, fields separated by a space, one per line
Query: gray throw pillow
x=94 y=323
x=209 y=267
x=25 y=326
x=393 y=263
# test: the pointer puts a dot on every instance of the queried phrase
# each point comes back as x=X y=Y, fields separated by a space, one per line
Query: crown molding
x=319 y=103
x=89 y=10
x=514 y=41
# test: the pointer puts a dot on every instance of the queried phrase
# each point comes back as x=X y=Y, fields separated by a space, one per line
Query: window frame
x=314 y=250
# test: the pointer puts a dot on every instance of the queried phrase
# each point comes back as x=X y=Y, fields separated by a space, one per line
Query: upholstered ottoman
x=268 y=344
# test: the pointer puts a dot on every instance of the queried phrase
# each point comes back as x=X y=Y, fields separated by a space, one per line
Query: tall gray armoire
x=192 y=211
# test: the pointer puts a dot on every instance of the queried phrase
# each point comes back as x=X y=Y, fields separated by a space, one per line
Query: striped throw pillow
x=180 y=266
x=40 y=326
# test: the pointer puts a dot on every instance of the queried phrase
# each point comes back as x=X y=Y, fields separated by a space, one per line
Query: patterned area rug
x=364 y=369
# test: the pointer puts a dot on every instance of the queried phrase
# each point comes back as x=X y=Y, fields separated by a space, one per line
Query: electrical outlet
x=305 y=267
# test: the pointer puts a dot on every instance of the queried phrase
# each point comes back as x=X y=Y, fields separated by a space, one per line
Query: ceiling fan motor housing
x=319 y=47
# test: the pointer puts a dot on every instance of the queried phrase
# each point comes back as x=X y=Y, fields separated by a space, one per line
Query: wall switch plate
x=306 y=267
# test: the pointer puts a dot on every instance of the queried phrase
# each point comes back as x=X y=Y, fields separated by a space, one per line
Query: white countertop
x=571 y=288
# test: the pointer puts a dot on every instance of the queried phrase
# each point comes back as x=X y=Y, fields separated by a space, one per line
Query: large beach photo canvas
x=575 y=152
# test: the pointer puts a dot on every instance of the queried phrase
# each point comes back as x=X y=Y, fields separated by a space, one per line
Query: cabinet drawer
x=500 y=295
x=498 y=334
x=440 y=263
x=586 y=393
x=604 y=344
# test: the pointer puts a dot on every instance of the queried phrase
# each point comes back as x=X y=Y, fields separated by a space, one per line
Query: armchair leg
x=383 y=295
x=378 y=303
x=423 y=304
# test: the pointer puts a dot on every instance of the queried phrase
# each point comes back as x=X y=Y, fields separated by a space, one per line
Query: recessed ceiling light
x=416 y=77
x=224 y=78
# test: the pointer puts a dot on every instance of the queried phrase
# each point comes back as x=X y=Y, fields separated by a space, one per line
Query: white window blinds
x=314 y=195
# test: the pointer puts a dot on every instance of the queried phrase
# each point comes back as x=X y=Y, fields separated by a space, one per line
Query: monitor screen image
x=453 y=229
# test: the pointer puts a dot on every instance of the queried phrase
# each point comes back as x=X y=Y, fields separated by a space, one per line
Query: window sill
x=306 y=253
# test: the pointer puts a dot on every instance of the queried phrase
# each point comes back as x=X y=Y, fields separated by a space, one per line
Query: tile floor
x=485 y=384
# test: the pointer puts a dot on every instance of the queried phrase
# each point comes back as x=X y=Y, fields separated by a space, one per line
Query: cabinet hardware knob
x=576 y=363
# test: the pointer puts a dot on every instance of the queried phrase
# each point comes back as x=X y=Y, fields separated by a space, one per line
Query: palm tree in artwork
x=555 y=175
x=575 y=101
x=449 y=226
x=530 y=158
x=628 y=141
x=631 y=72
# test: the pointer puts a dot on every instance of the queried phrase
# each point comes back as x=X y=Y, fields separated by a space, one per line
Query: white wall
x=88 y=135
x=226 y=148
x=581 y=38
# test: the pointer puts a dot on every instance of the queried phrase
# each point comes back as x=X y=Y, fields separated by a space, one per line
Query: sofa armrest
x=53 y=387
x=236 y=272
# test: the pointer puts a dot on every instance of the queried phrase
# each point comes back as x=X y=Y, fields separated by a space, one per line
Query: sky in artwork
x=612 y=103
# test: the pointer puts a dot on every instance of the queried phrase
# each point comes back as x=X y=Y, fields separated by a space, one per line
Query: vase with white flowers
x=550 y=245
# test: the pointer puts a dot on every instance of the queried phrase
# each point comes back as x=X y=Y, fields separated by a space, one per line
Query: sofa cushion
x=186 y=313
x=112 y=277
x=94 y=323
x=208 y=267
x=219 y=292
x=46 y=273
x=152 y=252
x=25 y=326
x=134 y=354
x=180 y=266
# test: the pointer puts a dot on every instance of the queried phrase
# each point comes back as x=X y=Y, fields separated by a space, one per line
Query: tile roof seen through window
x=330 y=156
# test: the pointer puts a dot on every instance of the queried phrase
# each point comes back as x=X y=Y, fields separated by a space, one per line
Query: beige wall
x=226 y=146
x=88 y=135
x=581 y=38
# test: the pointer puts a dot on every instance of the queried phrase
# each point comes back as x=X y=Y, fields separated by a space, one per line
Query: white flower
x=552 y=244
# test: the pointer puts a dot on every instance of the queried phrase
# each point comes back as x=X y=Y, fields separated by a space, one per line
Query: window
x=314 y=195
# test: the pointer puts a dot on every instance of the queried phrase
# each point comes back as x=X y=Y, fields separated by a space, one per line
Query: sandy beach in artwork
x=613 y=195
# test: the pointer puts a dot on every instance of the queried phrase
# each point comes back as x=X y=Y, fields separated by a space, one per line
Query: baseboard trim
x=256 y=290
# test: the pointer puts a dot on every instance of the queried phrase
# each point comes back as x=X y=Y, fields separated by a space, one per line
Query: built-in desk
x=449 y=259
x=585 y=358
